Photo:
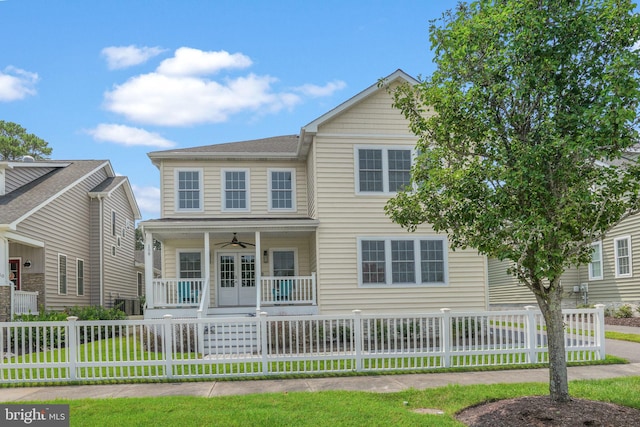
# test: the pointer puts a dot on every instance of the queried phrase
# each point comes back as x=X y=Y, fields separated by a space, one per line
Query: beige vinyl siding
x=120 y=280
x=212 y=188
x=504 y=289
x=610 y=288
x=311 y=185
x=92 y=282
x=69 y=237
x=345 y=216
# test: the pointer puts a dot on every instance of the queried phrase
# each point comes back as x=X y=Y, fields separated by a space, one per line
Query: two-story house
x=66 y=235
x=296 y=224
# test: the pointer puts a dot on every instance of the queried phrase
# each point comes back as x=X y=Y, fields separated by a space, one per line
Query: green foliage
x=96 y=313
x=51 y=337
x=529 y=101
x=15 y=143
x=623 y=312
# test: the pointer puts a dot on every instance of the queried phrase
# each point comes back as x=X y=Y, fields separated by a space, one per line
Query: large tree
x=16 y=142
x=521 y=129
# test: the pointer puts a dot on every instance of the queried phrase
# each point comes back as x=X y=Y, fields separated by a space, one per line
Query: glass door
x=236 y=279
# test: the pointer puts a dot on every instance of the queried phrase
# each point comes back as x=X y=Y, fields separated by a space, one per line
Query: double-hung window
x=622 y=253
x=190 y=265
x=282 y=189
x=400 y=262
x=235 y=194
x=382 y=170
x=189 y=190
x=595 y=266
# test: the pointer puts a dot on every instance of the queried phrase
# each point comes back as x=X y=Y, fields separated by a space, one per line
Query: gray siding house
x=66 y=233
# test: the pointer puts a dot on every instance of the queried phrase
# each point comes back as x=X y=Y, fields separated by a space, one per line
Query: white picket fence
x=38 y=352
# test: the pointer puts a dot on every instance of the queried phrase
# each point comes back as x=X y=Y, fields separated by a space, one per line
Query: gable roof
x=277 y=147
x=60 y=176
x=290 y=147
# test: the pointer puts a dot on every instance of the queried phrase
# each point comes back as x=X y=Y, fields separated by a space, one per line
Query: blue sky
x=116 y=79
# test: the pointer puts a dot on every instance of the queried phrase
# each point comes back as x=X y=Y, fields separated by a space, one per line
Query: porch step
x=239 y=338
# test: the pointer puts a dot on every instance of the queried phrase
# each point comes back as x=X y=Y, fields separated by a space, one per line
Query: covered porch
x=219 y=267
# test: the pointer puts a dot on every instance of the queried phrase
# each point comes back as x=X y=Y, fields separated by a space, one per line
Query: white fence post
x=263 y=335
x=445 y=337
x=72 y=347
x=357 y=336
x=599 y=324
x=167 y=340
x=530 y=331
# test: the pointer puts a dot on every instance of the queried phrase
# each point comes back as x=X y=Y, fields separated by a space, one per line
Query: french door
x=236 y=279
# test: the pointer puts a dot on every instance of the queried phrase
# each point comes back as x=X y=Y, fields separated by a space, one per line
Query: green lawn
x=334 y=408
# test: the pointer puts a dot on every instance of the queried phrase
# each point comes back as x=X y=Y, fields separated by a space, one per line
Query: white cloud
x=16 y=84
x=318 y=91
x=127 y=56
x=180 y=92
x=194 y=62
x=180 y=101
x=129 y=136
x=148 y=199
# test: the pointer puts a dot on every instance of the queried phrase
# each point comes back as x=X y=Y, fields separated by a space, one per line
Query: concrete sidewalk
x=377 y=383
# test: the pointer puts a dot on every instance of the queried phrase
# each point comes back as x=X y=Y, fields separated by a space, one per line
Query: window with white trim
x=62 y=274
x=622 y=254
x=382 y=170
x=393 y=262
x=80 y=277
x=282 y=189
x=595 y=266
x=284 y=263
x=189 y=190
x=235 y=190
x=190 y=264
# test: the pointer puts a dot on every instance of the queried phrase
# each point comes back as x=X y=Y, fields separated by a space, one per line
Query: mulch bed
x=537 y=411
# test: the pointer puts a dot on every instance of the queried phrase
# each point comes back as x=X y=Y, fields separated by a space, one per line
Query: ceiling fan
x=235 y=243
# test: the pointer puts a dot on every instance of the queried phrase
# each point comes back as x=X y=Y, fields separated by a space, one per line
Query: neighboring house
x=296 y=224
x=67 y=233
x=612 y=277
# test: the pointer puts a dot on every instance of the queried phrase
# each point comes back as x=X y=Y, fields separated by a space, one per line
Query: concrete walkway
x=379 y=383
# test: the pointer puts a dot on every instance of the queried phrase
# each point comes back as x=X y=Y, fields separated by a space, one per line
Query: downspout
x=101 y=252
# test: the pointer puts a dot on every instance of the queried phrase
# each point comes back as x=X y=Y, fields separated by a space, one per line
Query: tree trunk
x=551 y=308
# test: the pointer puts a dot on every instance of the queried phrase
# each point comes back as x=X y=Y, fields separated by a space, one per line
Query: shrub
x=623 y=312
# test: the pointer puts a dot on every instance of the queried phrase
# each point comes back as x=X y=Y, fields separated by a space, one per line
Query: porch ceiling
x=163 y=229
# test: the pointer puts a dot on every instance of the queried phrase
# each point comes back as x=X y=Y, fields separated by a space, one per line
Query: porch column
x=207 y=270
x=4 y=260
x=148 y=269
x=258 y=266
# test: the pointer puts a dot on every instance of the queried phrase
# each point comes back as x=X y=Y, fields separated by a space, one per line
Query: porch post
x=207 y=271
x=4 y=260
x=258 y=267
x=148 y=269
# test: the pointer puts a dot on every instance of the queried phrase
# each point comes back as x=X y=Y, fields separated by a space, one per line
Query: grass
x=335 y=408
x=622 y=336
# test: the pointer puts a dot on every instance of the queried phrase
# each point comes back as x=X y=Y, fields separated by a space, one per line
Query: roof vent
x=28 y=159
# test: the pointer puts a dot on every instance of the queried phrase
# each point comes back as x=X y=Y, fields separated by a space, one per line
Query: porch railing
x=193 y=293
x=25 y=302
x=177 y=292
x=294 y=290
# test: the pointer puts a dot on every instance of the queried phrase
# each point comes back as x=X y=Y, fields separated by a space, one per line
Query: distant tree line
x=16 y=142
